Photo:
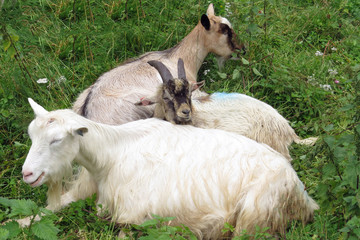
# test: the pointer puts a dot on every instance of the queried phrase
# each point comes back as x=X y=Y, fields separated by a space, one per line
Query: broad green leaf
x=14 y=38
x=13 y=228
x=236 y=74
x=45 y=229
x=6 y=45
x=257 y=72
x=358 y=128
x=151 y=222
x=5 y=113
x=22 y=208
x=222 y=75
x=329 y=127
x=11 y=51
x=346 y=107
x=244 y=61
x=351 y=173
x=5 y=202
x=330 y=141
x=4 y=233
x=329 y=170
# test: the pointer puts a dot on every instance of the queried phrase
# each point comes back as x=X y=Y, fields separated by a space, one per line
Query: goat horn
x=162 y=69
x=181 y=69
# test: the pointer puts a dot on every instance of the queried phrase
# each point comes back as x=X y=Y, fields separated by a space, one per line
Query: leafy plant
x=158 y=228
x=259 y=233
x=43 y=229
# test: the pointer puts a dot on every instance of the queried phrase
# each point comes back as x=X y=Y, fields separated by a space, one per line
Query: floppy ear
x=38 y=110
x=205 y=22
x=79 y=131
x=145 y=102
x=210 y=11
x=181 y=69
x=197 y=85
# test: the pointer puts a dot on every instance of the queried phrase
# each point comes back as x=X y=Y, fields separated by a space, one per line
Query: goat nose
x=186 y=111
x=27 y=174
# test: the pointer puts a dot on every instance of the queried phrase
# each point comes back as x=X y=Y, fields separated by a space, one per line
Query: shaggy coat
x=231 y=112
x=150 y=167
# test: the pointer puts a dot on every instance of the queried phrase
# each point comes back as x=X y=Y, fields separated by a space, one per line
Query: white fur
x=246 y=116
x=203 y=177
x=242 y=114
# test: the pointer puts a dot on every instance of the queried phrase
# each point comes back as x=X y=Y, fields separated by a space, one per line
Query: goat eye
x=55 y=141
x=167 y=99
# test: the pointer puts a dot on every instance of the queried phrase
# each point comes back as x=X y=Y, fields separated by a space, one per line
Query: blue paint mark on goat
x=219 y=95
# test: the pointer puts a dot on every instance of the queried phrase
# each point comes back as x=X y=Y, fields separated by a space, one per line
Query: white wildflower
x=42 y=80
x=311 y=79
x=332 y=72
x=334 y=49
x=61 y=79
x=326 y=87
x=206 y=71
x=227 y=9
x=318 y=53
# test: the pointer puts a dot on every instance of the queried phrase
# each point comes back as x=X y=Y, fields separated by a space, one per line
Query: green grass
x=78 y=40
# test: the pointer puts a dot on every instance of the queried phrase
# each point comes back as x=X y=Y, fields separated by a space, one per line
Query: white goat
x=202 y=177
x=231 y=112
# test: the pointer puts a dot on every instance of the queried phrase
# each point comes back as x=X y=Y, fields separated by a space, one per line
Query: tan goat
x=111 y=98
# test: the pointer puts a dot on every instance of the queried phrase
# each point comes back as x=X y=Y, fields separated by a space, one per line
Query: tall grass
x=302 y=57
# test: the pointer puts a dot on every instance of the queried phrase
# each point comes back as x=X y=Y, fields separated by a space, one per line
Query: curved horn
x=162 y=69
x=181 y=69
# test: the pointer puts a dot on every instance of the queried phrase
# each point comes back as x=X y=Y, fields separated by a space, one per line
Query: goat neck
x=192 y=49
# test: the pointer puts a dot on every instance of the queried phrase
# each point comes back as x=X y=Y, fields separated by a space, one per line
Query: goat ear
x=162 y=69
x=80 y=131
x=38 y=110
x=210 y=11
x=205 y=22
x=197 y=85
x=145 y=102
x=181 y=69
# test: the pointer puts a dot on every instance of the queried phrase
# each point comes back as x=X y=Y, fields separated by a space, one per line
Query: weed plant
x=302 y=57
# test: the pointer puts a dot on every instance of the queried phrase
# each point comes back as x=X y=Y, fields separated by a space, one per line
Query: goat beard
x=183 y=121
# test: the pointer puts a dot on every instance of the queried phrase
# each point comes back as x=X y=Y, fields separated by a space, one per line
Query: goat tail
x=304 y=206
x=307 y=141
x=274 y=201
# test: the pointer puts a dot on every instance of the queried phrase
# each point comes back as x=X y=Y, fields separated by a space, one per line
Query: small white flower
x=311 y=79
x=61 y=79
x=227 y=9
x=334 y=49
x=42 y=80
x=326 y=87
x=206 y=71
x=332 y=72
x=318 y=53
